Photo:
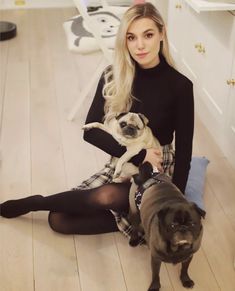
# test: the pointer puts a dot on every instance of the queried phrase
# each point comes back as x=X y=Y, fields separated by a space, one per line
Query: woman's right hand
x=154 y=157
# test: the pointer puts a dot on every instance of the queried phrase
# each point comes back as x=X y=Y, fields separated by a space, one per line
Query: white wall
x=5 y=4
x=9 y=4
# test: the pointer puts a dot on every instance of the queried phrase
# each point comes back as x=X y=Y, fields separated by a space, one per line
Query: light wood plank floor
x=44 y=153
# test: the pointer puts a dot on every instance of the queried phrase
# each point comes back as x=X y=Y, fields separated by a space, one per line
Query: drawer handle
x=231 y=82
x=200 y=48
x=20 y=2
x=178 y=6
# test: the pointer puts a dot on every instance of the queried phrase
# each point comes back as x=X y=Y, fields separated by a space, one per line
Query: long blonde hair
x=119 y=78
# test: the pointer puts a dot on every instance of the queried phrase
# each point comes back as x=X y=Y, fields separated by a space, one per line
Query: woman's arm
x=183 y=134
x=100 y=138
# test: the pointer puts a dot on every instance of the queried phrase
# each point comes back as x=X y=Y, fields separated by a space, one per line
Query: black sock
x=14 y=208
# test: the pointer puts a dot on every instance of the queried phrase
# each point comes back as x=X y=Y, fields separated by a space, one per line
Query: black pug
x=171 y=224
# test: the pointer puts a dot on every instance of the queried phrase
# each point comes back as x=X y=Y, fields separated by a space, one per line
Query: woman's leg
x=113 y=196
x=100 y=221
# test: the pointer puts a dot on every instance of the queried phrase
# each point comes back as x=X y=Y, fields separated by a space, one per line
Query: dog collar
x=155 y=179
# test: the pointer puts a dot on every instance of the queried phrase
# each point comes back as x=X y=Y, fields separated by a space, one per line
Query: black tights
x=76 y=211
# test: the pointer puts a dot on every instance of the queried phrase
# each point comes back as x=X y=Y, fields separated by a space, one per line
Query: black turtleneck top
x=165 y=97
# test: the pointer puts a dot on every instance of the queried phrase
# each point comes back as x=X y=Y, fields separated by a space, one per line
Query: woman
x=142 y=79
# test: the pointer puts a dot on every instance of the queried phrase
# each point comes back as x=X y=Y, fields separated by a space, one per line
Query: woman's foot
x=14 y=208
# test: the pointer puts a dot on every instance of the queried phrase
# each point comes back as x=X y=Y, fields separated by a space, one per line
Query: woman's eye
x=149 y=35
x=130 y=37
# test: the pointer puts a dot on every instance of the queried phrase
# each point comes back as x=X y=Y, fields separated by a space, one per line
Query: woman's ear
x=162 y=34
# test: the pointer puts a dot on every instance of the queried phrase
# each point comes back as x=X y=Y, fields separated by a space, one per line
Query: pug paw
x=117 y=180
x=154 y=287
x=116 y=175
x=134 y=242
x=188 y=283
x=86 y=127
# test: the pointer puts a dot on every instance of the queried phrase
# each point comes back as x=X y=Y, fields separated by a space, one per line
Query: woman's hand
x=154 y=157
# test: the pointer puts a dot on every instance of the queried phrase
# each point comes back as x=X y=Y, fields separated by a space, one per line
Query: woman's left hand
x=154 y=157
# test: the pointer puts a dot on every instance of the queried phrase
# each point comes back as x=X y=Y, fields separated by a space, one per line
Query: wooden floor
x=42 y=152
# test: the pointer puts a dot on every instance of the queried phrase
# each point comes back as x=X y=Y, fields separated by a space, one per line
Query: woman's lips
x=142 y=55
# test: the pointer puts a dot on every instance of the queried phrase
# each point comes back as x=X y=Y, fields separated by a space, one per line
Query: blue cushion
x=196 y=180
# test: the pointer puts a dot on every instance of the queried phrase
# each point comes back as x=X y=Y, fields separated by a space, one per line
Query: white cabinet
x=211 y=5
x=175 y=26
x=208 y=54
x=162 y=6
x=203 y=46
x=230 y=126
x=192 y=53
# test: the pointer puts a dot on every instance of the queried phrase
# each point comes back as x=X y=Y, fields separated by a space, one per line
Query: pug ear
x=137 y=179
x=200 y=211
x=145 y=173
x=162 y=213
x=143 y=118
x=120 y=115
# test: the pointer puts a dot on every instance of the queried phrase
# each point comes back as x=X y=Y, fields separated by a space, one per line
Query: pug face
x=131 y=125
x=180 y=226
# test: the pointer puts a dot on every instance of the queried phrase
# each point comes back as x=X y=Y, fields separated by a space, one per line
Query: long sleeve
x=184 y=128
x=100 y=138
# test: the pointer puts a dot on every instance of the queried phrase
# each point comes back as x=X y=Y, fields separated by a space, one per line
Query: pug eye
x=192 y=224
x=122 y=124
x=173 y=225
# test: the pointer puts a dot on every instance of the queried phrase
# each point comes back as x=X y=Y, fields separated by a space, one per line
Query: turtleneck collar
x=152 y=71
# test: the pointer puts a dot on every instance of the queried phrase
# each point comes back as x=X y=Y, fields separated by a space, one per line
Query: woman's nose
x=140 y=43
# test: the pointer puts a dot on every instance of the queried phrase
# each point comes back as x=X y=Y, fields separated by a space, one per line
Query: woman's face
x=143 y=42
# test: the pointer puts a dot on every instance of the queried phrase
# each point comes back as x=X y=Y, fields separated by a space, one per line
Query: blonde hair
x=119 y=78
